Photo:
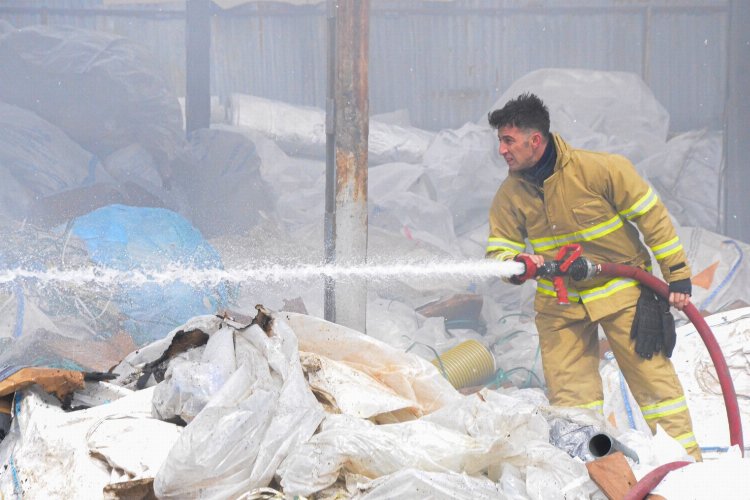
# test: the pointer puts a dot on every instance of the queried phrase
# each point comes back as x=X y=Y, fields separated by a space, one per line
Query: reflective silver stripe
x=495 y=243
x=667 y=249
x=664 y=409
x=641 y=206
x=603 y=229
x=609 y=288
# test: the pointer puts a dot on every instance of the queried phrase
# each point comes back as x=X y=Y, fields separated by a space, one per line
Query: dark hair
x=525 y=111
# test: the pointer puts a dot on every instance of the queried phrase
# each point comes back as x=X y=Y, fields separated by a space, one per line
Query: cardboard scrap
x=61 y=383
x=138 y=489
x=6 y=404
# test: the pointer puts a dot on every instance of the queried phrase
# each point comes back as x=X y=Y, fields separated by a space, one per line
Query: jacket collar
x=563 y=157
x=563 y=152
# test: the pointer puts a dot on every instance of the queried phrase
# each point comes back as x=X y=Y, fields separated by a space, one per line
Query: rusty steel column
x=329 y=242
x=351 y=103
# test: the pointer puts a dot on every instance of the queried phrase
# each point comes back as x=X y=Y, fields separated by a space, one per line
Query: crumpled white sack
x=433 y=485
x=237 y=441
x=130 y=366
x=114 y=438
x=193 y=377
x=355 y=393
x=408 y=375
x=476 y=435
x=377 y=450
x=49 y=450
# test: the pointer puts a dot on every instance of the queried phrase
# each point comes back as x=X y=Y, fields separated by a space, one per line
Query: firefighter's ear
x=536 y=139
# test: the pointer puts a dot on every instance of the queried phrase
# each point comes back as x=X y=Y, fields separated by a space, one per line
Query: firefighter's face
x=520 y=148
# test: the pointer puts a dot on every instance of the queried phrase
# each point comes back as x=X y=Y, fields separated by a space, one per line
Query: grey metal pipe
x=602 y=444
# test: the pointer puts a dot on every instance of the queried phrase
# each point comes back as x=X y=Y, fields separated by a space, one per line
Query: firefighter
x=556 y=195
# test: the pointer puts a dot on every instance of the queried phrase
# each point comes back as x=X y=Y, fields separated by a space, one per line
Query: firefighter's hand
x=679 y=293
x=538 y=260
x=679 y=300
x=531 y=263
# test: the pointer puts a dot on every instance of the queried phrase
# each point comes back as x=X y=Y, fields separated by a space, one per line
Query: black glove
x=681 y=286
x=653 y=328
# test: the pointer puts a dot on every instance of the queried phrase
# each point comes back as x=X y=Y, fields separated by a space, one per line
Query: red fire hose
x=648 y=482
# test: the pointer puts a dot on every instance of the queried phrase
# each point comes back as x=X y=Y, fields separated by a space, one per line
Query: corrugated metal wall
x=445 y=62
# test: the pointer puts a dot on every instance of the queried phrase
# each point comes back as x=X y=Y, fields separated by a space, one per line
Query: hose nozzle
x=583 y=269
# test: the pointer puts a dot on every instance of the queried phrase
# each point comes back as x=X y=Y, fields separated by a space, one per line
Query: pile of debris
x=287 y=405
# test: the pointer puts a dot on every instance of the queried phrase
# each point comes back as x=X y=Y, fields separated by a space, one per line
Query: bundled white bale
x=105 y=91
x=611 y=111
x=37 y=161
x=688 y=177
x=300 y=130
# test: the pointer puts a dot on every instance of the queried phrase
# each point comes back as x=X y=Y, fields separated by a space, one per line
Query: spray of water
x=270 y=273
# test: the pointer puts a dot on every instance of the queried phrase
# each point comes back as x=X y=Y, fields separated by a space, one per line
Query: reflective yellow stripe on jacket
x=495 y=244
x=593 y=233
x=666 y=249
x=641 y=206
x=611 y=287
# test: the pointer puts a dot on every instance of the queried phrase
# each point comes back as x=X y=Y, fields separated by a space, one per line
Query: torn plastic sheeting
x=247 y=428
x=408 y=375
x=433 y=485
x=354 y=393
x=189 y=383
x=362 y=447
x=544 y=469
x=49 y=451
x=113 y=439
x=474 y=436
x=131 y=369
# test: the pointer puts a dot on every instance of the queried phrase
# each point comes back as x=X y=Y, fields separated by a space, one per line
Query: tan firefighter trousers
x=569 y=344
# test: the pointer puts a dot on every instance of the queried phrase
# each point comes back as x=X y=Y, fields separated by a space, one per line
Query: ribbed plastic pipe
x=468 y=364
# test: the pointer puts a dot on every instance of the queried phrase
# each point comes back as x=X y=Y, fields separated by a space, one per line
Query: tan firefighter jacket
x=597 y=200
